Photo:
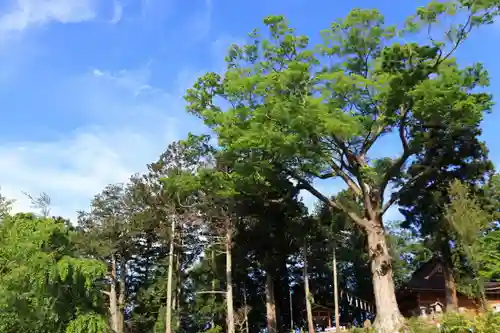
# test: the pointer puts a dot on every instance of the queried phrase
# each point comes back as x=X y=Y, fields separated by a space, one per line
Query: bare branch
x=184 y=206
x=345 y=177
x=400 y=161
x=388 y=205
x=304 y=184
x=341 y=144
x=393 y=199
x=370 y=140
x=402 y=129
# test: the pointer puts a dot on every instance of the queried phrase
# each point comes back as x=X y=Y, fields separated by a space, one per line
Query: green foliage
x=476 y=227
x=408 y=253
x=293 y=104
x=450 y=323
x=89 y=323
x=5 y=206
x=43 y=285
x=465 y=216
x=492 y=196
x=216 y=329
x=485 y=323
x=469 y=221
x=490 y=255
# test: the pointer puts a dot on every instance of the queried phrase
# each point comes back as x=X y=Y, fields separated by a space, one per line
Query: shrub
x=450 y=323
x=484 y=323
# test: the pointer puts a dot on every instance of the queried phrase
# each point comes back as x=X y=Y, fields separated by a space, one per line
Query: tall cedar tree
x=450 y=154
x=274 y=216
x=174 y=216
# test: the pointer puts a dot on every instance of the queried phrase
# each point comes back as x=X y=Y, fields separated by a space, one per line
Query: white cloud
x=74 y=167
x=126 y=121
x=24 y=14
x=117 y=12
x=199 y=25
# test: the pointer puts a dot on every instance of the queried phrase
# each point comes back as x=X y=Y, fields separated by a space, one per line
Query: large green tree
x=316 y=111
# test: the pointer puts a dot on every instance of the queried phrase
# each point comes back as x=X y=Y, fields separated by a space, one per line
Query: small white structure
x=437 y=307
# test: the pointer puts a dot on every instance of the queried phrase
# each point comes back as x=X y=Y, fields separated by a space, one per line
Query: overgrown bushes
x=450 y=323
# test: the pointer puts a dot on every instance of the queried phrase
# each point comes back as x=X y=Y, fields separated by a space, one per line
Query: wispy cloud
x=110 y=123
x=117 y=12
x=199 y=25
x=23 y=14
x=75 y=166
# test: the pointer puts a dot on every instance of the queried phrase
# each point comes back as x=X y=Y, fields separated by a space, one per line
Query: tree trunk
x=483 y=301
x=178 y=290
x=174 y=305
x=270 y=304
x=113 y=299
x=281 y=294
x=450 y=288
x=335 y=291
x=310 y=321
x=122 y=295
x=229 y=280
x=214 y=274
x=247 y=326
x=168 y=307
x=388 y=318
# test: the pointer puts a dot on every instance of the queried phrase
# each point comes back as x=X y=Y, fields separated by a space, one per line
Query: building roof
x=430 y=276
x=317 y=306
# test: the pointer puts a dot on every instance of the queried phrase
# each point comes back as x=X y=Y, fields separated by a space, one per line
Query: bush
x=484 y=323
x=450 y=323
x=418 y=325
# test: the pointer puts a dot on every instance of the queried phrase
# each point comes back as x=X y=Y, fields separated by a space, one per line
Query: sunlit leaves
x=286 y=101
x=38 y=268
x=89 y=323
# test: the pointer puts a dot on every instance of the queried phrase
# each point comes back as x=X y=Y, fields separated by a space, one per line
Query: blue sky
x=91 y=90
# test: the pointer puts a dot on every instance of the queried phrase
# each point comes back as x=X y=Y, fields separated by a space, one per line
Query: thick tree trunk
x=450 y=288
x=272 y=326
x=388 y=318
x=310 y=321
x=113 y=299
x=229 y=280
x=122 y=295
x=168 y=307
